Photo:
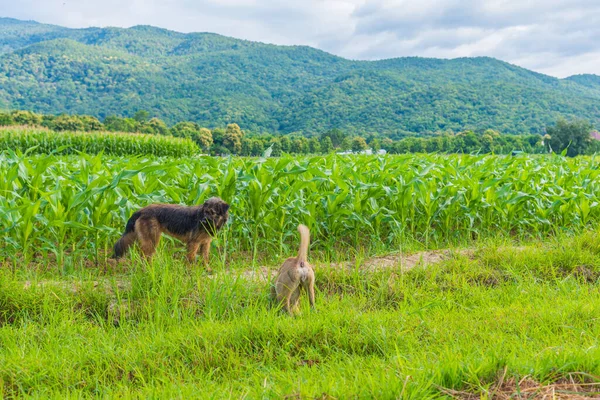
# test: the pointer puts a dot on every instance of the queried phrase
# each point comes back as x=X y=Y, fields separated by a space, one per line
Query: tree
x=155 y=126
x=494 y=134
x=533 y=140
x=458 y=144
x=204 y=138
x=141 y=116
x=314 y=147
x=402 y=146
x=185 y=129
x=375 y=145
x=91 y=123
x=359 y=144
x=257 y=148
x=26 y=118
x=433 y=144
x=6 y=119
x=276 y=147
x=116 y=124
x=233 y=138
x=67 y=123
x=387 y=144
x=594 y=146
x=218 y=135
x=326 y=145
x=48 y=121
x=337 y=137
x=286 y=144
x=414 y=145
x=369 y=138
x=471 y=141
x=346 y=144
x=446 y=142
x=299 y=146
x=571 y=135
x=246 y=147
x=487 y=143
x=191 y=130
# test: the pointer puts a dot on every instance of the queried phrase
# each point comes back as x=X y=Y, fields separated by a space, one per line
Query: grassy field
x=517 y=296
x=165 y=331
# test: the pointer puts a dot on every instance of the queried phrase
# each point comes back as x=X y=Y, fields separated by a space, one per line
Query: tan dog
x=195 y=226
x=294 y=274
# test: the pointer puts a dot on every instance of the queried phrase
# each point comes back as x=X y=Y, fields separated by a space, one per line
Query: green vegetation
x=162 y=331
x=74 y=325
x=467 y=142
x=39 y=141
x=233 y=140
x=516 y=296
x=215 y=81
x=572 y=137
x=366 y=202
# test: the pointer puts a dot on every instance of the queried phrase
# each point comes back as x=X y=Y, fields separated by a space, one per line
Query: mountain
x=215 y=80
x=589 y=80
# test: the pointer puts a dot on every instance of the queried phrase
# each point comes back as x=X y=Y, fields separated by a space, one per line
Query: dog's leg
x=192 y=249
x=148 y=235
x=285 y=296
x=290 y=304
x=205 y=249
x=311 y=292
x=294 y=300
x=273 y=293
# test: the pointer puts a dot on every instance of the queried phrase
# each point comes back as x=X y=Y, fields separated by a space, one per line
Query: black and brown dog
x=195 y=226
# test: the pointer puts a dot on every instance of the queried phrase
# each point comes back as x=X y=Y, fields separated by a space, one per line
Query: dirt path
x=405 y=261
x=266 y=273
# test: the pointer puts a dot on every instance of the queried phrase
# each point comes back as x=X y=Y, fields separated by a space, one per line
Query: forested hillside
x=215 y=80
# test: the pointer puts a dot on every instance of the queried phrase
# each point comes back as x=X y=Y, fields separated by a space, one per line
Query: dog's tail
x=304 y=242
x=128 y=237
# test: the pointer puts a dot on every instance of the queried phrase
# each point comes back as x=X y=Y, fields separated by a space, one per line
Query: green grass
x=165 y=331
x=72 y=325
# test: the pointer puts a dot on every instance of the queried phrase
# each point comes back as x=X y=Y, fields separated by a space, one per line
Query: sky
x=554 y=37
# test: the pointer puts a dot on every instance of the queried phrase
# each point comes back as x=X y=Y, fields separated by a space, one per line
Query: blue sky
x=555 y=37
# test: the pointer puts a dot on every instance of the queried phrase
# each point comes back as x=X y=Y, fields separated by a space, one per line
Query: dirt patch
x=572 y=387
x=404 y=261
x=259 y=274
x=265 y=273
x=407 y=261
x=410 y=261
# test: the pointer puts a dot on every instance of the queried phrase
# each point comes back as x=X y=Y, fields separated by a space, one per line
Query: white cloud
x=557 y=37
x=560 y=37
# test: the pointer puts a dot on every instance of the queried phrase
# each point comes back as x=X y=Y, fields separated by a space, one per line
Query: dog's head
x=215 y=213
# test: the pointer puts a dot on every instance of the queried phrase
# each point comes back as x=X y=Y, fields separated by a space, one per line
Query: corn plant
x=41 y=141
x=80 y=203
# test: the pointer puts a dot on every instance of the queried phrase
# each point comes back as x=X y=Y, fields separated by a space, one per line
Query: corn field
x=42 y=141
x=80 y=203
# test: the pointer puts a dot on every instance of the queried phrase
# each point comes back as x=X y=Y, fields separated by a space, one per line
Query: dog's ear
x=224 y=208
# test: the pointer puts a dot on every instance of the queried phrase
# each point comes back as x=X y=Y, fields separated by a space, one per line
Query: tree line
x=573 y=137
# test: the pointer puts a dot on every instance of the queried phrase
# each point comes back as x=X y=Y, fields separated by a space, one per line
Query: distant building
x=595 y=135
